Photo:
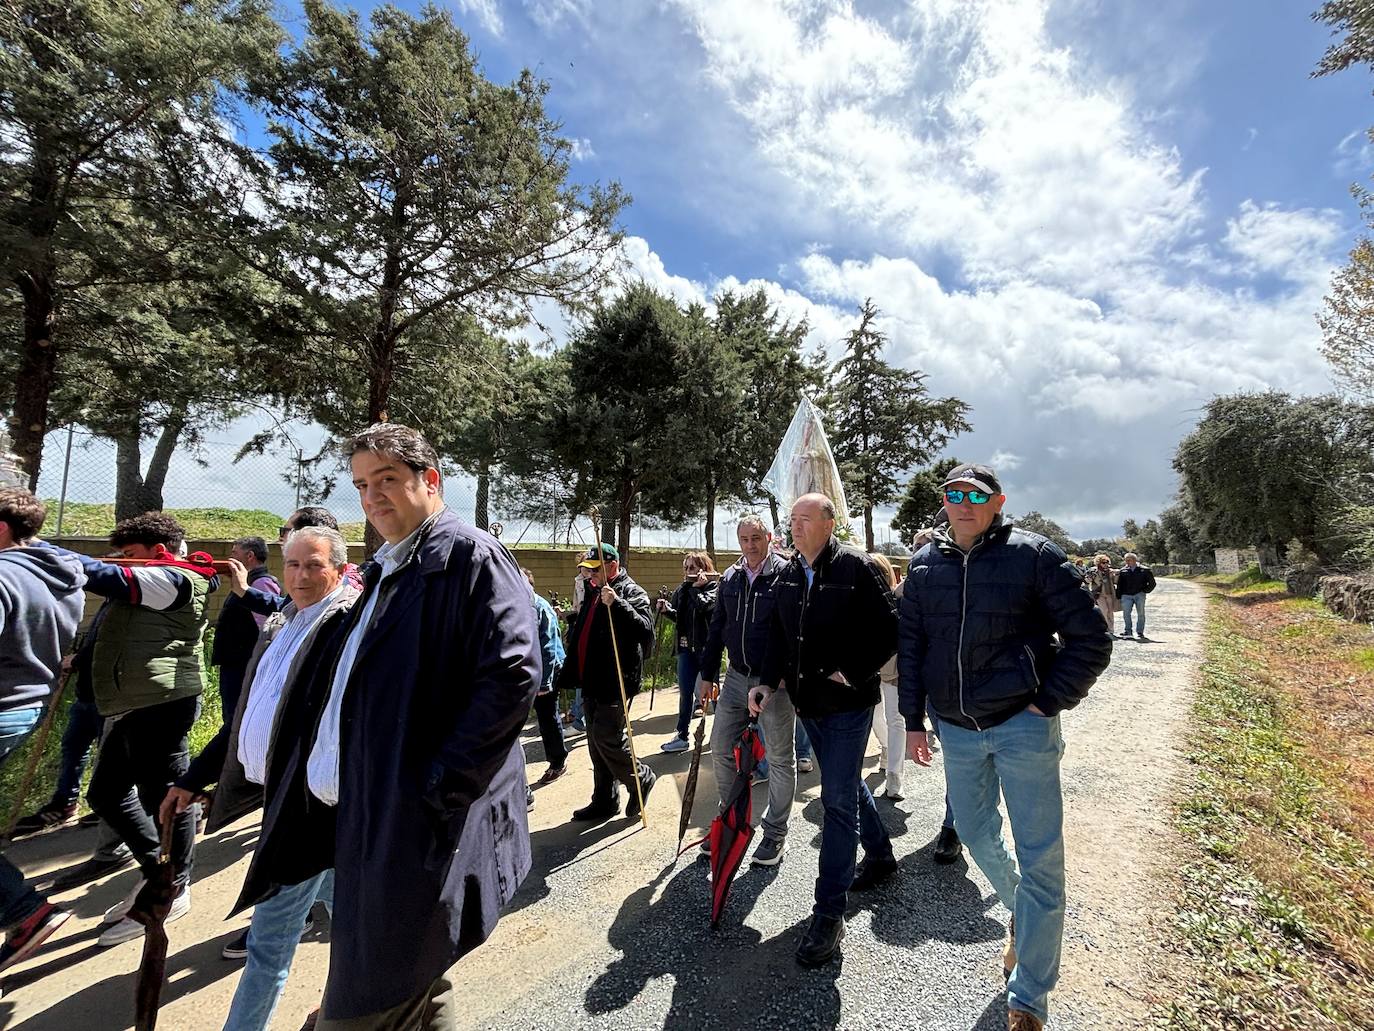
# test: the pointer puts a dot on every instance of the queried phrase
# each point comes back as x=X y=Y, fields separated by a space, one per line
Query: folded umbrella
x=733 y=827
x=689 y=788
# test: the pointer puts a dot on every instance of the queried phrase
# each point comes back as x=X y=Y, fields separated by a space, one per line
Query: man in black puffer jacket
x=980 y=610
x=834 y=626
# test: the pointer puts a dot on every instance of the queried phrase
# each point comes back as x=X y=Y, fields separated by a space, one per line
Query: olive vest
x=144 y=657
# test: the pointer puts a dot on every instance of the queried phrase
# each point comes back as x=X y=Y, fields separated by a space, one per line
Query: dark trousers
x=17 y=900
x=851 y=817
x=550 y=728
x=689 y=689
x=145 y=751
x=84 y=724
x=610 y=749
x=230 y=687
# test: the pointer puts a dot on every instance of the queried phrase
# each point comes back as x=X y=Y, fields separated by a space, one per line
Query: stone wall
x=1176 y=569
x=553 y=568
x=1238 y=560
x=1349 y=596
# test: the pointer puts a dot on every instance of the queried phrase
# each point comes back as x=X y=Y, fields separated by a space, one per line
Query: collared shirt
x=269 y=681
x=806 y=568
x=750 y=571
x=322 y=769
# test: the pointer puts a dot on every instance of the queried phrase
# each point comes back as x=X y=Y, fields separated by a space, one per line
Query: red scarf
x=585 y=635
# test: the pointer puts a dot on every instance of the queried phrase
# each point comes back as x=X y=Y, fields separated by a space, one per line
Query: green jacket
x=145 y=657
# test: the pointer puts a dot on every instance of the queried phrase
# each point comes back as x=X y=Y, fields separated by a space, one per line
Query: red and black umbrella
x=733 y=827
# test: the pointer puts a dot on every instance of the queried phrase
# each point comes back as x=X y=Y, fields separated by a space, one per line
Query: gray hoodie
x=41 y=603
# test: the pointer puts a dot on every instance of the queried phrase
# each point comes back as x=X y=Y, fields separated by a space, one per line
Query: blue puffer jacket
x=977 y=631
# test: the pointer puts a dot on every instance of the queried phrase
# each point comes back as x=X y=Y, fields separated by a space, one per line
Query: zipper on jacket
x=747 y=613
x=963 y=616
x=1031 y=655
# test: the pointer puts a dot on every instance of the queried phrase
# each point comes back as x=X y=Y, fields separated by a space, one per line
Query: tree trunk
x=137 y=492
x=627 y=507
x=868 y=528
x=480 y=516
x=609 y=518
x=33 y=381
x=777 y=516
x=711 y=521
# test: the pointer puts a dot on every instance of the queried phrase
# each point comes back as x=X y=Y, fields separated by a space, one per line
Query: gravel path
x=608 y=933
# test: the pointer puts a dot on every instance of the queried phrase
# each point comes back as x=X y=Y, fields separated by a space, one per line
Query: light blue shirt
x=322 y=769
x=806 y=568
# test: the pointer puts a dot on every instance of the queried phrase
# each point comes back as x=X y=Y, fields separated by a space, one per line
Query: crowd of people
x=373 y=714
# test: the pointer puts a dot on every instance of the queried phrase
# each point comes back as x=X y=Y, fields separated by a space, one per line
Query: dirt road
x=608 y=933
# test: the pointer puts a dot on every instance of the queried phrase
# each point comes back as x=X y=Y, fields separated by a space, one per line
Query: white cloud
x=582 y=149
x=486 y=12
x=1354 y=155
x=1296 y=245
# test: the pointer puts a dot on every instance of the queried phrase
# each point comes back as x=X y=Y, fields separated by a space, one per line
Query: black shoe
x=948 y=847
x=822 y=941
x=873 y=872
x=238 y=948
x=645 y=786
x=90 y=870
x=597 y=812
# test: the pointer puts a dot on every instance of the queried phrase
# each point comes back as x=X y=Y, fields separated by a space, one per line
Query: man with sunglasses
x=980 y=609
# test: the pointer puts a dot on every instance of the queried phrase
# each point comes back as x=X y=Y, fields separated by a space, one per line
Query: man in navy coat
x=405 y=771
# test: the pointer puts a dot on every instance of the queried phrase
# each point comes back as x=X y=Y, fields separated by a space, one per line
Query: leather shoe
x=822 y=941
x=948 y=847
x=1020 y=1020
x=597 y=812
x=873 y=872
x=645 y=786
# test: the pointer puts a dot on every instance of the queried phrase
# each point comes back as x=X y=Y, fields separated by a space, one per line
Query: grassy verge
x=80 y=519
x=1277 y=908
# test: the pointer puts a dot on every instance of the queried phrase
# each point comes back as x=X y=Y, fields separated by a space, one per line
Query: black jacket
x=634 y=633
x=1134 y=581
x=978 y=630
x=691 y=610
x=743 y=618
x=236 y=631
x=846 y=622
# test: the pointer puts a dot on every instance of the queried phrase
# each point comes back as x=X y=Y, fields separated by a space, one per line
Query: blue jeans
x=935 y=731
x=1137 y=602
x=84 y=724
x=803 y=743
x=17 y=900
x=1021 y=757
x=272 y=939
x=851 y=817
x=688 y=681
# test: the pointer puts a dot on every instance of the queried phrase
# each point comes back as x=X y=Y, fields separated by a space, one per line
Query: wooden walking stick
x=619 y=675
x=40 y=744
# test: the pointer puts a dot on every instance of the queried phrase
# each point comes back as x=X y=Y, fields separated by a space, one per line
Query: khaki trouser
x=779 y=722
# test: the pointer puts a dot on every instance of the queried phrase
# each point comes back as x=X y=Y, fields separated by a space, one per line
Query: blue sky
x=1084 y=217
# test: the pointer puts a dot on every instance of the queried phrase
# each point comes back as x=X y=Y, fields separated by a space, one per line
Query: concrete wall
x=553 y=568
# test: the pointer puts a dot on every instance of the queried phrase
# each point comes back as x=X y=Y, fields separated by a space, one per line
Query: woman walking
x=1102 y=584
x=690 y=608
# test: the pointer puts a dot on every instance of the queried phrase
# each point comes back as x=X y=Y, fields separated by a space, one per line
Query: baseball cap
x=981 y=476
x=591 y=561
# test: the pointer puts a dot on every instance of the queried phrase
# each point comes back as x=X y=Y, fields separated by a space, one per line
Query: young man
x=740 y=628
x=313 y=561
x=40 y=607
x=148 y=674
x=980 y=609
x=591 y=666
x=397 y=762
x=834 y=626
x=1133 y=582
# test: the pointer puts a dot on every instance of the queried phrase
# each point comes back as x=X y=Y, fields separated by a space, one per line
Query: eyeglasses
x=282 y=531
x=975 y=497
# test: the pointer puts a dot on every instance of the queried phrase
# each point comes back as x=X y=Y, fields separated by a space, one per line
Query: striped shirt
x=269 y=681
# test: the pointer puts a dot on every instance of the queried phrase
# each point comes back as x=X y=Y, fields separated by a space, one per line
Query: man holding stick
x=611 y=598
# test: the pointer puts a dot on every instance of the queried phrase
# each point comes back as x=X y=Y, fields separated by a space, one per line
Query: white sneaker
x=127 y=930
x=120 y=909
x=805 y=766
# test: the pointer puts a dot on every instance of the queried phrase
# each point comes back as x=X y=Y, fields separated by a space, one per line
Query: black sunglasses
x=975 y=497
x=282 y=531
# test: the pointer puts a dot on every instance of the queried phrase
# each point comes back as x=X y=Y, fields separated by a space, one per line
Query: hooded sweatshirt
x=41 y=602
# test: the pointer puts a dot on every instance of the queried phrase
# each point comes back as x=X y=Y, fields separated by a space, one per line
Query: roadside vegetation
x=1277 y=903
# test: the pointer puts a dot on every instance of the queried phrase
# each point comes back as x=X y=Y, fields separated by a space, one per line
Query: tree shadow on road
x=727 y=977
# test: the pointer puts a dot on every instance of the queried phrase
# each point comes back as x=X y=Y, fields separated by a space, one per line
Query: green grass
x=45 y=778
x=80 y=519
x=1277 y=909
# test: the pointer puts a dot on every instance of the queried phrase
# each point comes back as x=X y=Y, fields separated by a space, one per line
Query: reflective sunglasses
x=975 y=497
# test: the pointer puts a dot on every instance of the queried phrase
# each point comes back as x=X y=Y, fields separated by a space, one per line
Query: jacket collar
x=827 y=555
x=772 y=563
x=997 y=533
